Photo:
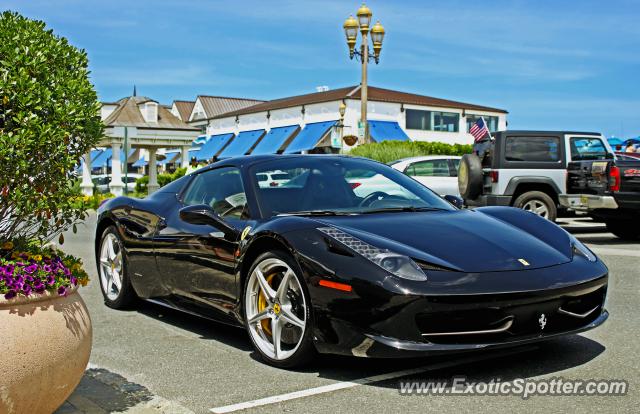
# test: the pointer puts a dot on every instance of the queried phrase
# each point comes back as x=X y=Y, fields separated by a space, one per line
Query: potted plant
x=49 y=118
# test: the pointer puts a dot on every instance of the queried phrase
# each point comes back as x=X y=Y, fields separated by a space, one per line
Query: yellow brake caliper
x=262 y=305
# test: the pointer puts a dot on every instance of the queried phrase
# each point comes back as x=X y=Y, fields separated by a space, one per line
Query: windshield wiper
x=314 y=213
x=401 y=210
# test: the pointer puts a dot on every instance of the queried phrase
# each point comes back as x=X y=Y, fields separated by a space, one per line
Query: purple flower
x=26 y=289
x=10 y=294
x=74 y=281
x=39 y=287
x=50 y=280
x=67 y=272
x=31 y=268
x=62 y=291
x=46 y=268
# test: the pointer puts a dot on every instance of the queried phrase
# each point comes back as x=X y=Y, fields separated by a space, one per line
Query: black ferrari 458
x=333 y=254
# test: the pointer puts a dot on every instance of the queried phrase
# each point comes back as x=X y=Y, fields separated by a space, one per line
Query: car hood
x=468 y=241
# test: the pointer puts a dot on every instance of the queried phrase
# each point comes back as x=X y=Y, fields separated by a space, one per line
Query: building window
x=432 y=120
x=492 y=121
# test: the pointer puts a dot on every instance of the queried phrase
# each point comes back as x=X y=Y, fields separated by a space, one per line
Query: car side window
x=430 y=168
x=532 y=149
x=221 y=189
x=455 y=163
x=587 y=149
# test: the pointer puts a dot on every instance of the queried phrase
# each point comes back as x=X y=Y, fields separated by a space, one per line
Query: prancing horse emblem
x=542 y=321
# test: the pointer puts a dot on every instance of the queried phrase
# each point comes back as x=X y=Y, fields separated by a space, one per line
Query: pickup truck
x=608 y=190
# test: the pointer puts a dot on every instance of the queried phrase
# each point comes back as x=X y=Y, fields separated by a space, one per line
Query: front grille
x=495 y=324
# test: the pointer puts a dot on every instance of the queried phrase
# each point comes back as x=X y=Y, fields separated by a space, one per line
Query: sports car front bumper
x=372 y=324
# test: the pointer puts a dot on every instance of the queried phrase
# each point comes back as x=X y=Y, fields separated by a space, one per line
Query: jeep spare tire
x=470 y=177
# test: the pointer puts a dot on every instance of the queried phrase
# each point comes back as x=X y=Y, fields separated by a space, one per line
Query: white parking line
x=571 y=223
x=362 y=381
x=614 y=252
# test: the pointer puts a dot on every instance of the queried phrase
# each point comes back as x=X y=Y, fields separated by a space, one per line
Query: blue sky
x=551 y=64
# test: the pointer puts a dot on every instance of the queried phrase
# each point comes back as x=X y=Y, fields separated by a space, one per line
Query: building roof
x=216 y=105
x=128 y=114
x=353 y=92
x=184 y=109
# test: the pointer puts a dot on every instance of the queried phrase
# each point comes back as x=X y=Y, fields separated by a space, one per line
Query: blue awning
x=274 y=139
x=213 y=146
x=95 y=153
x=102 y=158
x=242 y=143
x=309 y=137
x=122 y=158
x=613 y=141
x=92 y=156
x=140 y=163
x=170 y=157
x=386 y=131
x=200 y=140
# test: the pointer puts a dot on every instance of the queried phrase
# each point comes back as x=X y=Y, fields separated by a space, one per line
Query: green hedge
x=163 y=179
x=388 y=151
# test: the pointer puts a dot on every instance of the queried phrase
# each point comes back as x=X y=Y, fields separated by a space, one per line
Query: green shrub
x=163 y=179
x=49 y=117
x=388 y=151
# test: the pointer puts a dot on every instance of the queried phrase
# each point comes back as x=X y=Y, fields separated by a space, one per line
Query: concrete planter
x=45 y=347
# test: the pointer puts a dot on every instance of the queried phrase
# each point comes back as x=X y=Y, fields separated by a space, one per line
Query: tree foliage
x=387 y=151
x=49 y=117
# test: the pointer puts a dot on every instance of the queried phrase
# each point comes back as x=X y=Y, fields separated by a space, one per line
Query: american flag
x=479 y=129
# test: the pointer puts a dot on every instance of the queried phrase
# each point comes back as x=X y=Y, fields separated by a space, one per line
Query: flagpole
x=487 y=125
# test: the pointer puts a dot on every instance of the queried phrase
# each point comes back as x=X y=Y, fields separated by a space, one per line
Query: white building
x=391 y=114
x=207 y=107
x=148 y=127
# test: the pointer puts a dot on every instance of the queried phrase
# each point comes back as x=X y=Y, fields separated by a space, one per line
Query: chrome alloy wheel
x=275 y=309
x=536 y=207
x=111 y=266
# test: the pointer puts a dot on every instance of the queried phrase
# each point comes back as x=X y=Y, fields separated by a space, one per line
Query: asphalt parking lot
x=154 y=359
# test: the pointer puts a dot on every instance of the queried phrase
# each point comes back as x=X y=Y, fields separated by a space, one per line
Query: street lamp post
x=342 y=109
x=351 y=26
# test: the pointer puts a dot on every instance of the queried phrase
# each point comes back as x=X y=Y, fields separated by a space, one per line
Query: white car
x=273 y=178
x=366 y=184
x=438 y=172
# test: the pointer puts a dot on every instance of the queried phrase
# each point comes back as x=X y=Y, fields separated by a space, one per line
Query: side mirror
x=202 y=214
x=455 y=200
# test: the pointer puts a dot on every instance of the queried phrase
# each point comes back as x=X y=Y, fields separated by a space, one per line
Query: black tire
x=306 y=350
x=126 y=296
x=624 y=229
x=526 y=200
x=470 y=178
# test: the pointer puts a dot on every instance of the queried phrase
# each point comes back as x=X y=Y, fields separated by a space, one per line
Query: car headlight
x=394 y=263
x=583 y=250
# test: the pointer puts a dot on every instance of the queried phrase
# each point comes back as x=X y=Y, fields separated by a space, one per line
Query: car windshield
x=319 y=185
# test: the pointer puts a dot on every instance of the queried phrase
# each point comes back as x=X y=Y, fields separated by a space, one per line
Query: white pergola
x=145 y=124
